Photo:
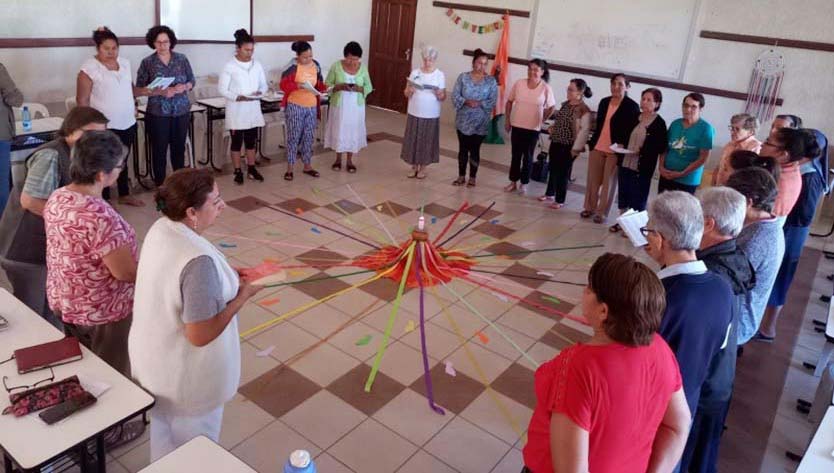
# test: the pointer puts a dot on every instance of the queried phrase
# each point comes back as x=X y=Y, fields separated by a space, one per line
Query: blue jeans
x=5 y=173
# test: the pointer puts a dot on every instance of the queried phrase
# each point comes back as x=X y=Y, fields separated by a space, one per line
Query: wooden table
x=200 y=455
x=27 y=442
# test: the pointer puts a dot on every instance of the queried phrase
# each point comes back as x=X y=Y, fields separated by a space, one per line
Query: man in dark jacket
x=724 y=211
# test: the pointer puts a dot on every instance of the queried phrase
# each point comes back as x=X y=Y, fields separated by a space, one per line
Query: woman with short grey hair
x=743 y=129
x=425 y=90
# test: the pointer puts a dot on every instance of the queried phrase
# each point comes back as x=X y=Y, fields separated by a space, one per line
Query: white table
x=29 y=442
x=818 y=458
x=199 y=455
x=43 y=130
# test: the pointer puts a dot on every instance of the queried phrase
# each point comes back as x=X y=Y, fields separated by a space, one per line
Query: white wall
x=48 y=75
x=808 y=88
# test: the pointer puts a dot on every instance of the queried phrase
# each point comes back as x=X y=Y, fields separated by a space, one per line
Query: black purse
x=540 y=169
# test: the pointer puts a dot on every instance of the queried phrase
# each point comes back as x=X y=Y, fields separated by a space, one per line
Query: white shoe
x=522 y=189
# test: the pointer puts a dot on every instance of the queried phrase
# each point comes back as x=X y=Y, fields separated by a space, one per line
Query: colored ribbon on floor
x=426 y=373
x=392 y=318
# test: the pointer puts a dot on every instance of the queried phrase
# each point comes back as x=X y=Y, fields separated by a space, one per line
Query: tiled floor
x=303 y=378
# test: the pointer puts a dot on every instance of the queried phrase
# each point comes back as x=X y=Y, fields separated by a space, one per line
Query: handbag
x=540 y=168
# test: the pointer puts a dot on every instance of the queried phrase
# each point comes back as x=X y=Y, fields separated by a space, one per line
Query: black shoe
x=252 y=173
x=238 y=176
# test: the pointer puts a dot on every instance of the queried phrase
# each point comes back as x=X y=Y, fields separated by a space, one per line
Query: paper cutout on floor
x=500 y=297
x=227 y=245
x=483 y=337
x=434 y=220
x=410 y=326
x=551 y=299
x=299 y=211
x=450 y=369
x=265 y=352
x=269 y=302
x=528 y=244
x=486 y=238
x=273 y=233
x=493 y=221
x=364 y=340
x=379 y=208
x=315 y=230
x=545 y=273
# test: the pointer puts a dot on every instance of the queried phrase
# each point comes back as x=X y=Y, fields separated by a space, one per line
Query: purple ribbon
x=426 y=375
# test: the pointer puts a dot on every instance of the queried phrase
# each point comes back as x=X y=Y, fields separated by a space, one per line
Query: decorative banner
x=480 y=29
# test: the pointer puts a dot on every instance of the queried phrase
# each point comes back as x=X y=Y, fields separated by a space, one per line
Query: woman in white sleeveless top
x=184 y=343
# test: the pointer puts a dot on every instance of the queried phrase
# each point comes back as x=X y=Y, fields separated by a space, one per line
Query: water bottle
x=300 y=462
x=27 y=119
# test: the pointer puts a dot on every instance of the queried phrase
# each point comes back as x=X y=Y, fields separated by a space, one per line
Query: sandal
x=585 y=214
x=351 y=168
x=614 y=228
x=337 y=166
x=412 y=174
x=510 y=187
x=471 y=182
x=288 y=176
x=459 y=181
x=556 y=206
x=420 y=175
x=546 y=198
x=311 y=172
x=598 y=219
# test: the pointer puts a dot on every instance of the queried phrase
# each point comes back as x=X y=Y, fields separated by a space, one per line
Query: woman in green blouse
x=349 y=83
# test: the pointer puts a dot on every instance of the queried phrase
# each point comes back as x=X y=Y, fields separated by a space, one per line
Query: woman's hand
x=574 y=153
x=246 y=289
x=409 y=91
x=472 y=103
x=241 y=98
x=507 y=125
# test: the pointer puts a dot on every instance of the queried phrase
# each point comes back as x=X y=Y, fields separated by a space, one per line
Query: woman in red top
x=614 y=404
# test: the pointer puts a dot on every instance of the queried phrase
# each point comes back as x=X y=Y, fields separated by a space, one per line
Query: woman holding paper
x=425 y=89
x=474 y=97
x=302 y=84
x=169 y=110
x=242 y=82
x=617 y=115
x=645 y=143
x=350 y=84
x=184 y=344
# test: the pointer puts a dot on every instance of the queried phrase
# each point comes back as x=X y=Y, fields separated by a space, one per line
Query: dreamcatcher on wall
x=765 y=83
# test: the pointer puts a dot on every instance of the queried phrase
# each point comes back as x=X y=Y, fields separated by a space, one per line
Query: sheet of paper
x=161 y=83
x=420 y=86
x=620 y=149
x=410 y=326
x=92 y=386
x=309 y=87
x=631 y=222
x=265 y=352
x=450 y=369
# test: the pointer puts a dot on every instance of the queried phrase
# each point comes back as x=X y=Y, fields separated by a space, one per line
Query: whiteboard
x=212 y=20
x=75 y=18
x=643 y=37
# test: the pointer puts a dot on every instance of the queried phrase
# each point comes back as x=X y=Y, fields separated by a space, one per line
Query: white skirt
x=346 y=131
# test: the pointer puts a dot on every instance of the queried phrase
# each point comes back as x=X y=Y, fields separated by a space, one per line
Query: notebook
x=631 y=222
x=49 y=354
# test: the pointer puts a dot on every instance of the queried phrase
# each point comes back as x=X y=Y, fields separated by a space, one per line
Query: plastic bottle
x=300 y=461
x=27 y=119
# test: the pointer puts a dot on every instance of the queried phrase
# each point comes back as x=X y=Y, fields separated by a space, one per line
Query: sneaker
x=252 y=173
x=238 y=176
x=522 y=189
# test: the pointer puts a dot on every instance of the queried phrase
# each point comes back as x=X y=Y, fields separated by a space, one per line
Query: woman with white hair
x=742 y=136
x=425 y=89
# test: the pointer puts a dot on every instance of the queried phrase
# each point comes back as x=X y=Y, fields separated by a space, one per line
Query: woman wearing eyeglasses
x=169 y=111
x=742 y=137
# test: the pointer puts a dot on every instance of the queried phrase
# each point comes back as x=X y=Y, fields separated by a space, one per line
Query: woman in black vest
x=616 y=117
x=22 y=234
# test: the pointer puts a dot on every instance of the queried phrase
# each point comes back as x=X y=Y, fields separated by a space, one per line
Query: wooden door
x=392 y=38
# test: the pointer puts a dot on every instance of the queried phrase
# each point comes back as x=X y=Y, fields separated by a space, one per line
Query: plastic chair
x=35 y=109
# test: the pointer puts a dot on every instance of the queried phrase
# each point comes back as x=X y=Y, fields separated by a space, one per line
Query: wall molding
x=769 y=41
x=477 y=8
x=730 y=94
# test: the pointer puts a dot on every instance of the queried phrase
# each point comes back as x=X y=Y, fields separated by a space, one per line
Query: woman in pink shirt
x=742 y=137
x=530 y=102
x=91 y=252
